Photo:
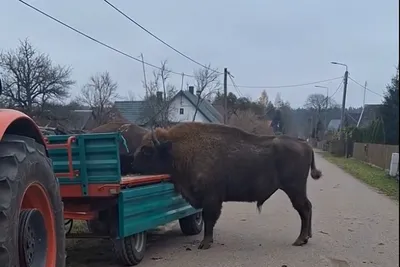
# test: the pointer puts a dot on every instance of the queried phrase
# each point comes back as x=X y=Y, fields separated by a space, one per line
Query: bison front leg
x=211 y=213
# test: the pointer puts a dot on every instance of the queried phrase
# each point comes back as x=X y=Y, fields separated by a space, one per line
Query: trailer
x=47 y=180
x=121 y=208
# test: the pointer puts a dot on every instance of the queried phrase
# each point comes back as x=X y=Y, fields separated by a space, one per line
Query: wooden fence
x=375 y=154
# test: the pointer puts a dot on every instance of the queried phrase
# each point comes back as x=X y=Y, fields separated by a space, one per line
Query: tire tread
x=124 y=251
x=14 y=151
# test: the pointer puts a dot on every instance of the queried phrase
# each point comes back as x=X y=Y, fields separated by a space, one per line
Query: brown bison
x=133 y=135
x=211 y=163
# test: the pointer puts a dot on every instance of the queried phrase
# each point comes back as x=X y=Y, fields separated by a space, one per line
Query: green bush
x=373 y=133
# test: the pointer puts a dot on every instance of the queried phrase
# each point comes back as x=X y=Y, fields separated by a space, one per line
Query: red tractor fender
x=16 y=122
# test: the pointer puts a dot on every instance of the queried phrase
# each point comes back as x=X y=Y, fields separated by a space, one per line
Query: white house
x=182 y=108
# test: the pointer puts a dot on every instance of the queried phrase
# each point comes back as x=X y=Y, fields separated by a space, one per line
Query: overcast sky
x=262 y=43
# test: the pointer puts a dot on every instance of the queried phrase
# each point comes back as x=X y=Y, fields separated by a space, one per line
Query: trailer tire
x=192 y=224
x=130 y=250
x=29 y=193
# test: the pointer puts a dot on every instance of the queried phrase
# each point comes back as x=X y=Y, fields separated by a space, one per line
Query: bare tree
x=30 y=79
x=278 y=102
x=164 y=75
x=206 y=84
x=263 y=99
x=99 y=94
x=130 y=96
x=159 y=93
x=319 y=102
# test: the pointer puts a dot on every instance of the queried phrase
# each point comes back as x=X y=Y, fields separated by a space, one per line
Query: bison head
x=153 y=156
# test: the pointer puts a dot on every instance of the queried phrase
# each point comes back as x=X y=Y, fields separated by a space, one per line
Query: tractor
x=47 y=180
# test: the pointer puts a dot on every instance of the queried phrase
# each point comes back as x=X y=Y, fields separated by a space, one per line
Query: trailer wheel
x=31 y=213
x=130 y=250
x=192 y=224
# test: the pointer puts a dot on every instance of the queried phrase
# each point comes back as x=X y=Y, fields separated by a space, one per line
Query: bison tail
x=259 y=206
x=315 y=173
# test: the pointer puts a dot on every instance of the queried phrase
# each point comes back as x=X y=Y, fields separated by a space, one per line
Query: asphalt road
x=352 y=226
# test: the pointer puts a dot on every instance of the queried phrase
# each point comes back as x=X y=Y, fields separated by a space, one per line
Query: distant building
x=351 y=119
x=132 y=111
x=182 y=108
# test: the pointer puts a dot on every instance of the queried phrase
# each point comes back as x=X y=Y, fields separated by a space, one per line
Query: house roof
x=205 y=107
x=351 y=117
x=131 y=110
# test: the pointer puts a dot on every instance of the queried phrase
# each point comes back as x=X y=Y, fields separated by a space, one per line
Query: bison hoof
x=300 y=241
x=205 y=244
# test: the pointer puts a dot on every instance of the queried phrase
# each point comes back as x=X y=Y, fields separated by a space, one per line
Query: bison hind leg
x=300 y=201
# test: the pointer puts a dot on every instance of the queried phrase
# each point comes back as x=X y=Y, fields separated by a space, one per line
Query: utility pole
x=365 y=90
x=342 y=115
x=144 y=74
x=225 y=96
x=362 y=110
x=326 y=108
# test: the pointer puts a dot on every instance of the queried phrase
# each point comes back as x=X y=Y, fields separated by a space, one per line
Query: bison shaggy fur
x=212 y=163
x=133 y=135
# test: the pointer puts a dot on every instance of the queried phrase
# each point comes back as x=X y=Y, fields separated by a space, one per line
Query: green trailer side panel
x=95 y=156
x=146 y=207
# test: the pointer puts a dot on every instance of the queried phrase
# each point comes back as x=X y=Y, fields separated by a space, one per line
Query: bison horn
x=154 y=137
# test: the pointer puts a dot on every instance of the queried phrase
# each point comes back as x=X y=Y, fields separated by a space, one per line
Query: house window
x=181 y=111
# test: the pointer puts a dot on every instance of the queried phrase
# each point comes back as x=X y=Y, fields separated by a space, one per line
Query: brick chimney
x=159 y=96
x=191 y=89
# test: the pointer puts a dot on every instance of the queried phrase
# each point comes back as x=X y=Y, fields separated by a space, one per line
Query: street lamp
x=341 y=64
x=346 y=76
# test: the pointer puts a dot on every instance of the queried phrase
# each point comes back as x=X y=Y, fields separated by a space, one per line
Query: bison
x=132 y=134
x=212 y=163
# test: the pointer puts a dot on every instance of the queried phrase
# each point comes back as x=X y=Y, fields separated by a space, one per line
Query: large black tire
x=192 y=224
x=23 y=162
x=131 y=249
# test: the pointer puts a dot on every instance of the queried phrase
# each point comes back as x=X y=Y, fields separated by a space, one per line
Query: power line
x=159 y=39
x=285 y=86
x=365 y=87
x=234 y=84
x=337 y=89
x=97 y=41
x=157 y=67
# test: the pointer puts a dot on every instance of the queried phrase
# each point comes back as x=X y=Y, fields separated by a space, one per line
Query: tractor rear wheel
x=31 y=211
